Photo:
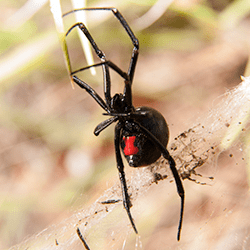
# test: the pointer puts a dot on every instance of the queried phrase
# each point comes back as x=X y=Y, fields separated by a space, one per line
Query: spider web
x=214 y=153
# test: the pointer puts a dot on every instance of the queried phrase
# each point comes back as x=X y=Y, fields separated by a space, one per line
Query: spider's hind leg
x=172 y=165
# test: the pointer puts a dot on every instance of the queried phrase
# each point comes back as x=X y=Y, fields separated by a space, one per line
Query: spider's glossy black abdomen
x=137 y=148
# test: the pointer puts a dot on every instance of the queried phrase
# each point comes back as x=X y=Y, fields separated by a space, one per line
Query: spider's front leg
x=126 y=199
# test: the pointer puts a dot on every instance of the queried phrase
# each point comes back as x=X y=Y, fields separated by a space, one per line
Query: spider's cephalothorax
x=142 y=133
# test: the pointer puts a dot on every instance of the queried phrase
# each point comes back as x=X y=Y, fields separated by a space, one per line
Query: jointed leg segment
x=172 y=165
x=126 y=199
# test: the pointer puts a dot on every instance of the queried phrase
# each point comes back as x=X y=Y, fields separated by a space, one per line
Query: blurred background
x=50 y=162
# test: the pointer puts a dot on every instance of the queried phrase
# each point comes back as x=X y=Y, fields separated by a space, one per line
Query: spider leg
x=172 y=164
x=179 y=186
x=133 y=61
x=127 y=93
x=126 y=199
x=110 y=64
x=134 y=40
x=125 y=25
x=127 y=89
x=101 y=55
x=85 y=31
x=92 y=92
x=100 y=127
x=127 y=76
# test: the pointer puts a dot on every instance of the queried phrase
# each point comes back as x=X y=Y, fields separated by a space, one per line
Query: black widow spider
x=142 y=133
